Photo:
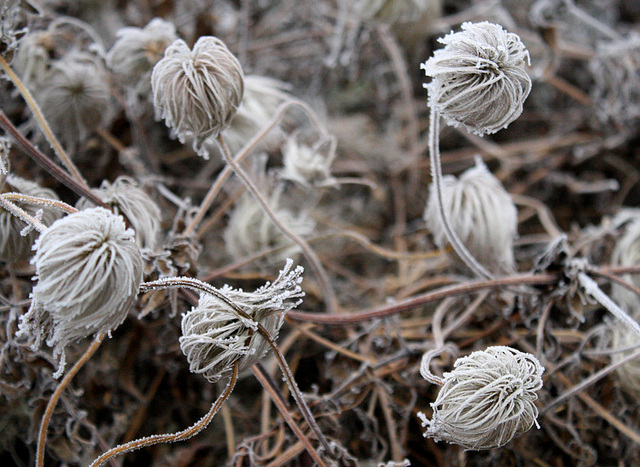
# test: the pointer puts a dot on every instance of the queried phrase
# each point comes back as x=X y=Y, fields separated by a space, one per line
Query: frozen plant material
x=75 y=97
x=126 y=198
x=487 y=399
x=89 y=270
x=5 y=147
x=481 y=213
x=15 y=247
x=629 y=373
x=479 y=79
x=214 y=336
x=616 y=72
x=137 y=50
x=305 y=164
x=198 y=91
x=250 y=230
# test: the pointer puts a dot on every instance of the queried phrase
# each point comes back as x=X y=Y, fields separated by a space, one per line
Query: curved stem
x=174 y=437
x=46 y=129
x=314 y=261
x=43 y=202
x=46 y=418
x=436 y=175
x=22 y=214
x=195 y=284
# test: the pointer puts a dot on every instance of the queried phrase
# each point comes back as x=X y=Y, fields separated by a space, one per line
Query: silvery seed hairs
x=197 y=91
x=88 y=269
x=14 y=246
x=214 y=336
x=128 y=199
x=479 y=79
x=487 y=399
x=481 y=213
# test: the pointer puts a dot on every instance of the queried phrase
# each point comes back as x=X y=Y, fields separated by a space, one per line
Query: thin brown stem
x=262 y=376
x=46 y=418
x=174 y=437
x=46 y=129
x=315 y=263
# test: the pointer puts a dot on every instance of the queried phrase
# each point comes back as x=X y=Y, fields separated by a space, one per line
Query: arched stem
x=46 y=417
x=195 y=284
x=174 y=437
x=314 y=261
x=436 y=176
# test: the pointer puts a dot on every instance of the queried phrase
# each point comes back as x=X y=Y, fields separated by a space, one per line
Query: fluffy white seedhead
x=305 y=164
x=137 y=50
x=132 y=202
x=14 y=246
x=487 y=399
x=197 y=91
x=89 y=270
x=75 y=96
x=481 y=213
x=214 y=337
x=479 y=79
x=616 y=71
x=629 y=373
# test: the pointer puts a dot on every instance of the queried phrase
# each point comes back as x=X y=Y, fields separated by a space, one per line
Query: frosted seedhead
x=487 y=399
x=197 y=91
x=214 y=337
x=479 y=79
x=88 y=269
x=481 y=213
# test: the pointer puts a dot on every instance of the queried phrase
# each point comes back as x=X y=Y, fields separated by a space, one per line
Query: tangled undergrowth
x=239 y=241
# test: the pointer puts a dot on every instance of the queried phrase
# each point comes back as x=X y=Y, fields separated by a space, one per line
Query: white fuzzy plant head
x=479 y=79
x=487 y=400
x=214 y=337
x=89 y=270
x=627 y=253
x=137 y=50
x=14 y=246
x=126 y=198
x=629 y=373
x=305 y=164
x=197 y=91
x=481 y=213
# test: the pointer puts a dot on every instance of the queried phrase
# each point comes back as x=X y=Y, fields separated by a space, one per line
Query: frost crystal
x=214 y=336
x=487 y=399
x=479 y=78
x=89 y=270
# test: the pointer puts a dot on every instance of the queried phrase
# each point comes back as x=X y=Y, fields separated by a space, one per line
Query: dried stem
x=174 y=437
x=42 y=434
x=314 y=261
x=436 y=176
x=37 y=113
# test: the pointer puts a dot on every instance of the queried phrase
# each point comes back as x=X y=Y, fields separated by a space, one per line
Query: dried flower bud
x=481 y=213
x=214 y=336
x=133 y=203
x=15 y=247
x=137 y=50
x=75 y=97
x=487 y=399
x=479 y=78
x=89 y=270
x=628 y=373
x=197 y=91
